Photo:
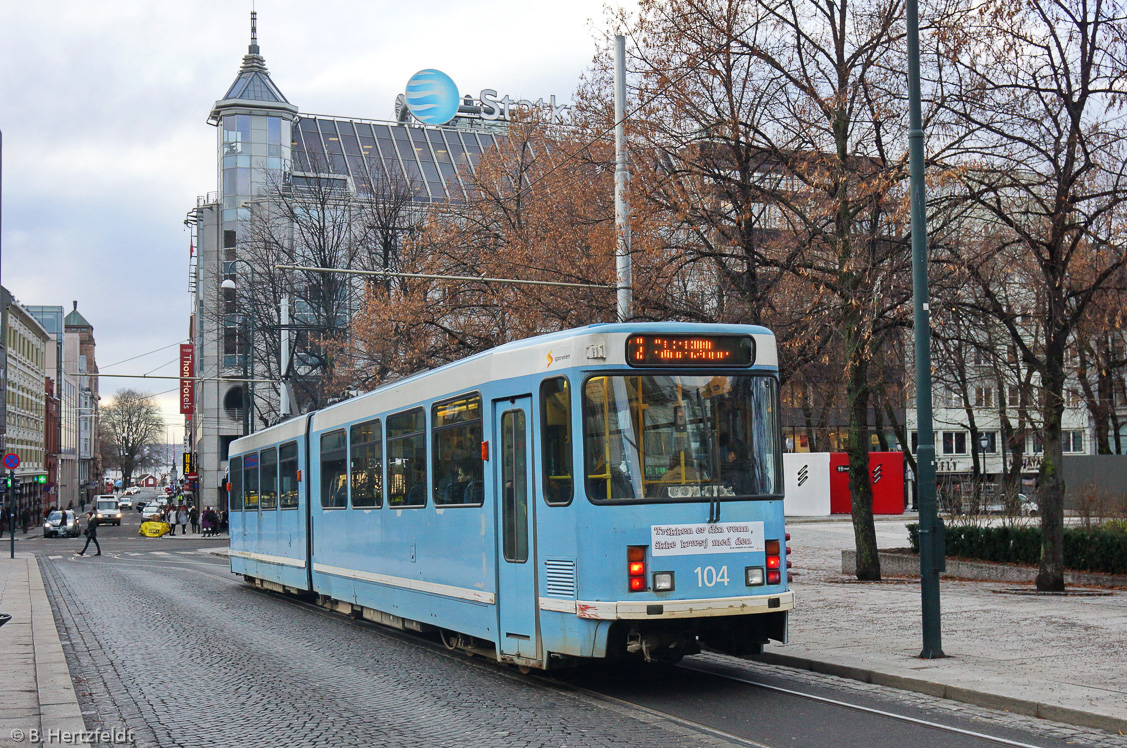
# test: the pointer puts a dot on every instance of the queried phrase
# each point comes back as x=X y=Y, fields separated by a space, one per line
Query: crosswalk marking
x=132 y=554
x=161 y=553
x=54 y=557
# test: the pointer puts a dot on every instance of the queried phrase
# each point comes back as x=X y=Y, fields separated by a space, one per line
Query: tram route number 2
x=708 y=576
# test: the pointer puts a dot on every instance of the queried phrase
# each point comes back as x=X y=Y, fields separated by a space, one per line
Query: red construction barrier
x=886 y=470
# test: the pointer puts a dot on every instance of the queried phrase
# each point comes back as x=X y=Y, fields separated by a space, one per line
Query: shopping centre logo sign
x=432 y=97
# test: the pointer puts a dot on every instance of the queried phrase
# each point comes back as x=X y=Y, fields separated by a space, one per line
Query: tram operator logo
x=432 y=97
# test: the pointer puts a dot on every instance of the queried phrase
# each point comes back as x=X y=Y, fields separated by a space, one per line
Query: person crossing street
x=91 y=533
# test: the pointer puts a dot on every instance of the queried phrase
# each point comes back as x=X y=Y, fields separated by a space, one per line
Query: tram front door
x=516 y=565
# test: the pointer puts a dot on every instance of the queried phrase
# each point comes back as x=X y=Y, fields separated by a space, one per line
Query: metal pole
x=284 y=359
x=246 y=389
x=931 y=530
x=251 y=353
x=621 y=177
x=11 y=514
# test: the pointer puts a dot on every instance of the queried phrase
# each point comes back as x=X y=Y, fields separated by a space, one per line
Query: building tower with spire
x=254 y=123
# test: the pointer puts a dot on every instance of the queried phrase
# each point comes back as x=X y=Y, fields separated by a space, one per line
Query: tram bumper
x=672 y=609
x=667 y=630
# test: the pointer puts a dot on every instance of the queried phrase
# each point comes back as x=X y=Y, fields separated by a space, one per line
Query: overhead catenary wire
x=142 y=355
x=430 y=276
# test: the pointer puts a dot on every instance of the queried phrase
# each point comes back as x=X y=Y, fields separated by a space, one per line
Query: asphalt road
x=164 y=641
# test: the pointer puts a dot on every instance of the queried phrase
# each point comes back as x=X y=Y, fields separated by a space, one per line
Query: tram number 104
x=709 y=577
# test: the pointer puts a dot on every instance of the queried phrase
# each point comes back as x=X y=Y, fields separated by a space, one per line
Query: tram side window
x=407 y=459
x=334 y=471
x=250 y=482
x=268 y=471
x=287 y=476
x=367 y=464
x=457 y=451
x=235 y=497
x=555 y=415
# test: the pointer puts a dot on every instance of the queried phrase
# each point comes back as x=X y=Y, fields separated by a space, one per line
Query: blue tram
x=609 y=491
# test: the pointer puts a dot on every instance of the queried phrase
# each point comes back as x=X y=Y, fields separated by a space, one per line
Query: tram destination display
x=690 y=350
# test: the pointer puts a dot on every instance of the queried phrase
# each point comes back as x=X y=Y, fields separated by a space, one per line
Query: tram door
x=516 y=565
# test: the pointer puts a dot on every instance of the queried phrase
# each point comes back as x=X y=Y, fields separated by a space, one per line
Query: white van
x=106 y=510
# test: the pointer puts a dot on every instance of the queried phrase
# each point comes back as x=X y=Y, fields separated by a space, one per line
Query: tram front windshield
x=681 y=437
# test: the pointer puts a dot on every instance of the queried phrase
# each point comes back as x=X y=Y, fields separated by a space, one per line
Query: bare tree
x=787 y=166
x=314 y=218
x=131 y=422
x=1040 y=97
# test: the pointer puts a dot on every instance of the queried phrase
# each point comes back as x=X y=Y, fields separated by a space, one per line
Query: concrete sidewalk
x=1062 y=658
x=38 y=694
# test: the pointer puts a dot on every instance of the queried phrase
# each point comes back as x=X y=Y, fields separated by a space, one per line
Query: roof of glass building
x=435 y=162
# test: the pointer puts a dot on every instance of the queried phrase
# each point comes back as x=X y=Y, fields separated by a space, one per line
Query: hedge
x=1101 y=550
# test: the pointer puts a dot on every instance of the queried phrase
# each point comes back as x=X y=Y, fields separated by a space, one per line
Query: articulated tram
x=610 y=491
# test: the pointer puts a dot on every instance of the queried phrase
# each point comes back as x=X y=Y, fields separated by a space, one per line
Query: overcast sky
x=105 y=143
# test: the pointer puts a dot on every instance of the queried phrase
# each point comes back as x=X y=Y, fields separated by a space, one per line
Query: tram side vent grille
x=560 y=574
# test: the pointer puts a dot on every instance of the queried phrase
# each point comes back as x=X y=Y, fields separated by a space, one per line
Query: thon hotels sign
x=432 y=98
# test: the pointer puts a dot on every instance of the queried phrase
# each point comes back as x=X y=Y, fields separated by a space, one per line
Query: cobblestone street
x=190 y=656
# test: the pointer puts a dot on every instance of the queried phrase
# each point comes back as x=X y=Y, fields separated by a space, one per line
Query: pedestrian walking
x=182 y=519
x=170 y=518
x=223 y=520
x=91 y=533
x=25 y=520
x=194 y=518
x=208 y=522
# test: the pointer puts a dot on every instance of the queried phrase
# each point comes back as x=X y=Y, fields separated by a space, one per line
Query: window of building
x=287 y=476
x=366 y=466
x=1014 y=396
x=1072 y=441
x=1072 y=398
x=407 y=459
x=1036 y=445
x=984 y=397
x=268 y=470
x=954 y=442
x=555 y=415
x=457 y=451
x=334 y=470
x=250 y=482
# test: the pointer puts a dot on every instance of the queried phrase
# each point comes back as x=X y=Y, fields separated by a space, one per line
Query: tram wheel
x=524 y=669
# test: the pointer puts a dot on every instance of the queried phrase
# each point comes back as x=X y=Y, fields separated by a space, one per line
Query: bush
x=1102 y=550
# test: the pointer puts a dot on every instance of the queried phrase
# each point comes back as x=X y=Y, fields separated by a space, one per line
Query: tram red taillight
x=774 y=562
x=636 y=567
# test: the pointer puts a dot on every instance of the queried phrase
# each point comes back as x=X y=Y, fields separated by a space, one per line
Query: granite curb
x=962 y=694
x=908 y=564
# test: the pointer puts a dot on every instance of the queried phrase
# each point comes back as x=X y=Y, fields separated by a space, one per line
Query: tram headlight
x=663 y=581
x=753 y=576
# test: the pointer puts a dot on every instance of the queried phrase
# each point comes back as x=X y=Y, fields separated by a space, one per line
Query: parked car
x=141 y=504
x=61 y=524
x=107 y=511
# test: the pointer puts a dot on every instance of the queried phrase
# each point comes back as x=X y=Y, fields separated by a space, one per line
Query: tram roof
x=512 y=352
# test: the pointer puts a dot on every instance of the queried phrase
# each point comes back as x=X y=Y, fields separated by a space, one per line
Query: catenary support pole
x=285 y=406
x=931 y=530
x=621 y=180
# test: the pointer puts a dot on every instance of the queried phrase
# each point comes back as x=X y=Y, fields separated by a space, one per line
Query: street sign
x=11 y=460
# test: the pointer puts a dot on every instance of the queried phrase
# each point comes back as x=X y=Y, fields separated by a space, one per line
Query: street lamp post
x=248 y=323
x=931 y=529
